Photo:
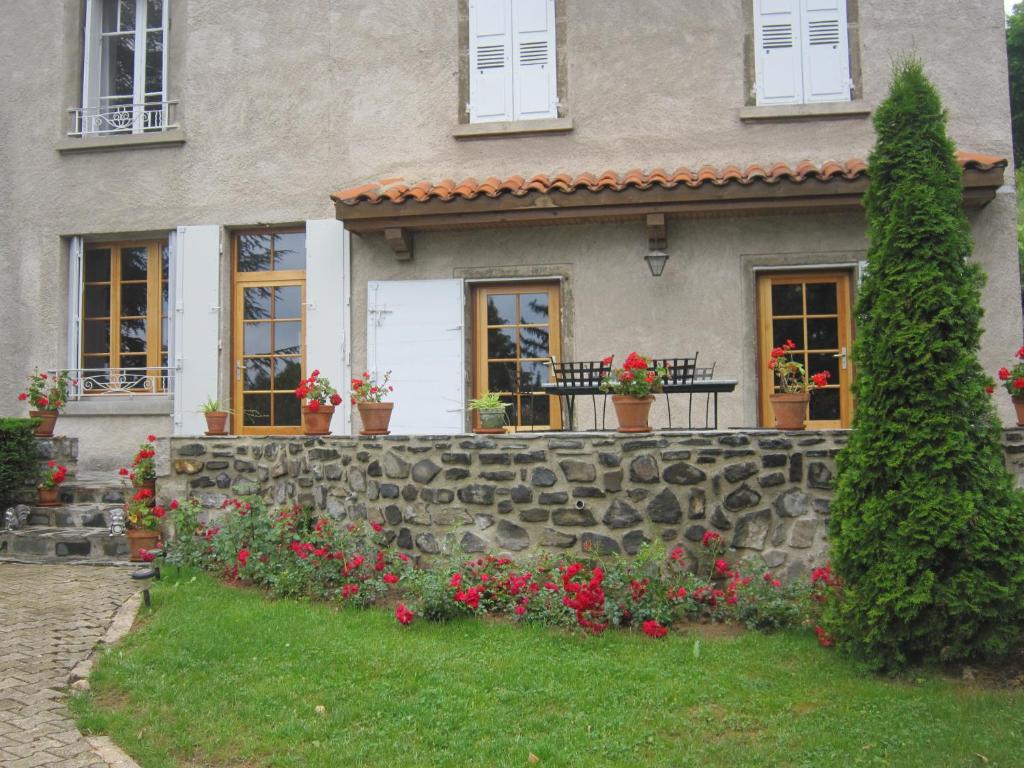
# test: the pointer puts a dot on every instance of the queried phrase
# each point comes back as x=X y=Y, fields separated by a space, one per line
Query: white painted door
x=414 y=328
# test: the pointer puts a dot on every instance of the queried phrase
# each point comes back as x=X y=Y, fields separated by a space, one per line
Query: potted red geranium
x=143 y=517
x=1013 y=381
x=789 y=404
x=46 y=395
x=320 y=400
x=143 y=471
x=368 y=396
x=49 y=484
x=633 y=386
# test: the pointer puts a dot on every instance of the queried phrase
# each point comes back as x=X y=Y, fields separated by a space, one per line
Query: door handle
x=238 y=370
x=843 y=358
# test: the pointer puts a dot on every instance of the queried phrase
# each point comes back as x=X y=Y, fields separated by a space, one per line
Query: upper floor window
x=512 y=59
x=124 y=84
x=802 y=51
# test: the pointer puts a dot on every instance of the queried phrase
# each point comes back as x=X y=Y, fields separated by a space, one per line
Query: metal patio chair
x=585 y=375
x=679 y=370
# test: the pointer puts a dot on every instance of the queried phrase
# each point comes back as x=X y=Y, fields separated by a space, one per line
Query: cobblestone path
x=51 y=617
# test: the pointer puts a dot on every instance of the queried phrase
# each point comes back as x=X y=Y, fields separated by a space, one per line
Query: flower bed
x=295 y=553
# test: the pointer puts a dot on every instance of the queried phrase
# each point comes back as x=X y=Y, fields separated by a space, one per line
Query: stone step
x=92 y=487
x=72 y=516
x=58 y=545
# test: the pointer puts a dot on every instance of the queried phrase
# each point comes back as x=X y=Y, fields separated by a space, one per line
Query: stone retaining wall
x=766 y=492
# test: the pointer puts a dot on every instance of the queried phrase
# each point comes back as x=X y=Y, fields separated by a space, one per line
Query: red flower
x=390 y=578
x=43 y=401
x=23 y=396
x=456 y=580
x=710 y=538
x=1020 y=353
x=677 y=554
x=146 y=556
x=335 y=399
x=314 y=406
x=520 y=609
x=1018 y=383
x=243 y=556
x=607 y=360
x=821 y=379
x=825 y=640
x=314 y=374
x=51 y=463
x=403 y=614
x=721 y=567
x=159 y=512
x=174 y=503
x=654 y=629
x=1004 y=374
x=151 y=438
x=377 y=527
x=989 y=389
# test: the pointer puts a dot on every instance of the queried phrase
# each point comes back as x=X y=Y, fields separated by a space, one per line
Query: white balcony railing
x=122 y=118
x=91 y=382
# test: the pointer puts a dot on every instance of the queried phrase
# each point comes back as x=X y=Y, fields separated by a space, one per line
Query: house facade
x=202 y=201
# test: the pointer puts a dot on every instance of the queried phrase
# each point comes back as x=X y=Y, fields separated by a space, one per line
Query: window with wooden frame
x=515 y=333
x=124 y=312
x=269 y=329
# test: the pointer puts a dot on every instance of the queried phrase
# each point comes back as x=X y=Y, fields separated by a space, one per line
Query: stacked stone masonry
x=766 y=492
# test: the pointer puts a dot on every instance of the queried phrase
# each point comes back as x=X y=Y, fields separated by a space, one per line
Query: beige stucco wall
x=283 y=103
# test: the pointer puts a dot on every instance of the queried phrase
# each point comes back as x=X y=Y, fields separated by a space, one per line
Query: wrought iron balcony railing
x=89 y=382
x=121 y=118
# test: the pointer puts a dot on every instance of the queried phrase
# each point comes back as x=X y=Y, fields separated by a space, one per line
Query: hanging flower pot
x=317 y=422
x=790 y=409
x=47 y=421
x=376 y=418
x=141 y=539
x=633 y=412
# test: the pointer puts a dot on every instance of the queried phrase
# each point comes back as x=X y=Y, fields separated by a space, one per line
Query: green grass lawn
x=225 y=677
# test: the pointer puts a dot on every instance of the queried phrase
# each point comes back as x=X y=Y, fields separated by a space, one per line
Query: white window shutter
x=172 y=302
x=777 y=51
x=490 y=61
x=534 y=71
x=196 y=325
x=414 y=329
x=327 y=310
x=75 y=250
x=826 y=55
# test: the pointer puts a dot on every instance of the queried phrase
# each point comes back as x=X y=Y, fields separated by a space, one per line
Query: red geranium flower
x=23 y=396
x=335 y=399
x=390 y=578
x=403 y=614
x=151 y=438
x=1004 y=374
x=314 y=406
x=654 y=629
x=243 y=556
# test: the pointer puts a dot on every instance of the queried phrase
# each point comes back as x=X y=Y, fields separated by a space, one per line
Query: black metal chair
x=581 y=374
x=678 y=370
x=702 y=374
x=524 y=386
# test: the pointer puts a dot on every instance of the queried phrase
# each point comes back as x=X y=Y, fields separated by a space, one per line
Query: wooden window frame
x=154 y=306
x=480 y=291
x=269 y=277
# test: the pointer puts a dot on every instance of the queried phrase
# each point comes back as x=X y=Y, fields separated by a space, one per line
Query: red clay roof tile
x=396 y=191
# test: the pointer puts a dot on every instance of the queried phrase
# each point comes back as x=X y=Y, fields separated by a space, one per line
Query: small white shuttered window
x=802 y=51
x=512 y=73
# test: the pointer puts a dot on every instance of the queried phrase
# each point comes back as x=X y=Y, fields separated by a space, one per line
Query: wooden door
x=812 y=309
x=269 y=331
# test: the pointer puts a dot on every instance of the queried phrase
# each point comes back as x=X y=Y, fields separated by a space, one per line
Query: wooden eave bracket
x=400 y=240
x=657 y=239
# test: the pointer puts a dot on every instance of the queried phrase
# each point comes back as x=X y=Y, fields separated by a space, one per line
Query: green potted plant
x=46 y=395
x=318 y=399
x=789 y=403
x=368 y=396
x=216 y=417
x=491 y=414
x=1013 y=381
x=49 y=484
x=633 y=387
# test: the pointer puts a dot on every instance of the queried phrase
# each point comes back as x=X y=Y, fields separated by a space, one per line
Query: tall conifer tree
x=926 y=530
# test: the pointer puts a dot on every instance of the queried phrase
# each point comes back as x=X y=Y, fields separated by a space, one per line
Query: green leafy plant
x=18 y=460
x=926 y=530
x=212 y=405
x=488 y=402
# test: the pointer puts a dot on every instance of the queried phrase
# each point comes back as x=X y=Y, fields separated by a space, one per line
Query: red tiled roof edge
x=396 y=191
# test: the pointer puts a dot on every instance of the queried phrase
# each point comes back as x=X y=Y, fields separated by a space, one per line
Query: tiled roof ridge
x=395 y=190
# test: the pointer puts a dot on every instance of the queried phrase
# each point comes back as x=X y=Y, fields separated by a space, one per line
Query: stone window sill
x=787 y=112
x=170 y=138
x=503 y=130
x=121 y=405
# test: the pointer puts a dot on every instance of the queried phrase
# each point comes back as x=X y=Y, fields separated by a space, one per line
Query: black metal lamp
x=656 y=261
x=657 y=242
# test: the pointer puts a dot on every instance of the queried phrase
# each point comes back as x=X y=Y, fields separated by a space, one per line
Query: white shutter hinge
x=456 y=328
x=469 y=108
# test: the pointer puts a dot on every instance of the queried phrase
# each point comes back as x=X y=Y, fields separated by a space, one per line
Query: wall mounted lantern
x=657 y=241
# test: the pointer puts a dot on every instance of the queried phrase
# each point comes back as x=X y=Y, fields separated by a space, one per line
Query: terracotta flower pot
x=48 y=497
x=140 y=538
x=790 y=409
x=47 y=423
x=376 y=417
x=1018 y=404
x=216 y=422
x=317 y=422
x=632 y=412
